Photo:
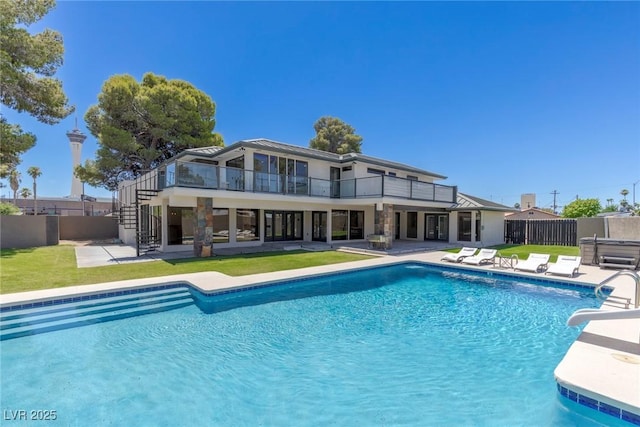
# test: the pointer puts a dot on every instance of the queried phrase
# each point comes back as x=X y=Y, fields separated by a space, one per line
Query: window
x=235 y=174
x=180 y=226
x=356 y=224
x=283 y=225
x=412 y=178
x=478 y=227
x=392 y=174
x=220 y=225
x=346 y=168
x=412 y=225
x=375 y=171
x=247 y=227
x=464 y=226
x=339 y=222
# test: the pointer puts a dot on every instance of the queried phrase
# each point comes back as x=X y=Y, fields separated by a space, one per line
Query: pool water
x=408 y=345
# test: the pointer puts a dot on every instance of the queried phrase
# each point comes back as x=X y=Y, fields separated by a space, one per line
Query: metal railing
x=626 y=301
x=200 y=175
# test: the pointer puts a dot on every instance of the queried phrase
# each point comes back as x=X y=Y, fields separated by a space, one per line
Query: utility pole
x=555 y=193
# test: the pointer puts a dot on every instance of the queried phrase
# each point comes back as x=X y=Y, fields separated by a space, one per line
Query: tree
x=581 y=208
x=25 y=193
x=335 y=136
x=13 y=143
x=28 y=62
x=140 y=125
x=14 y=183
x=624 y=205
x=34 y=172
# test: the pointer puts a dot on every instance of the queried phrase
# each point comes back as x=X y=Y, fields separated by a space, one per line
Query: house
x=257 y=191
x=532 y=213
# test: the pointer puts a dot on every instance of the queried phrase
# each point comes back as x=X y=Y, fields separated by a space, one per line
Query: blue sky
x=503 y=98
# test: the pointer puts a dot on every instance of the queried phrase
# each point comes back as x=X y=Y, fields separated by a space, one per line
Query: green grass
x=55 y=267
x=523 y=251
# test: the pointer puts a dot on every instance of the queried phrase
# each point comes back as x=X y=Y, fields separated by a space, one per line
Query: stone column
x=203 y=228
x=383 y=220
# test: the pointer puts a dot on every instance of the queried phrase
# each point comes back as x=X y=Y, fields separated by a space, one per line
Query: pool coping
x=588 y=374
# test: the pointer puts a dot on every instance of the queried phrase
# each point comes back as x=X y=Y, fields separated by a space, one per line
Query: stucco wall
x=588 y=227
x=88 y=228
x=493 y=228
x=627 y=228
x=27 y=231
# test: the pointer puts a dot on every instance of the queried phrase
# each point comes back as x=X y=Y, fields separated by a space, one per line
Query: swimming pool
x=401 y=345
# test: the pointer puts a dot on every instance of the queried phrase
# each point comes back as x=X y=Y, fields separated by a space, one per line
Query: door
x=397 y=227
x=443 y=227
x=430 y=227
x=334 y=176
x=282 y=226
x=319 y=226
x=436 y=227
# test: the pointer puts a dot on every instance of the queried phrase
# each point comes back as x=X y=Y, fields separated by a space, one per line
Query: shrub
x=9 y=209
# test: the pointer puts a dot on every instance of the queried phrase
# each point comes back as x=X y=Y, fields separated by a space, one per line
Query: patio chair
x=459 y=256
x=535 y=263
x=565 y=265
x=484 y=256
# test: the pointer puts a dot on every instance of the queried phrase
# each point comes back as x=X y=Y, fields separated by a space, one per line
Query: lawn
x=55 y=266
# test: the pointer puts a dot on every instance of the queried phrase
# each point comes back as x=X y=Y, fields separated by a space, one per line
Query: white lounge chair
x=535 y=263
x=459 y=256
x=565 y=265
x=484 y=256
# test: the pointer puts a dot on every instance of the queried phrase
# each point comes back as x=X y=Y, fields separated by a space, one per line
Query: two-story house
x=257 y=191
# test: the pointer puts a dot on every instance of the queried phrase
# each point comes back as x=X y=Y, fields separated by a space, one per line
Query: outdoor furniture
x=483 y=257
x=505 y=262
x=379 y=241
x=565 y=265
x=459 y=256
x=534 y=264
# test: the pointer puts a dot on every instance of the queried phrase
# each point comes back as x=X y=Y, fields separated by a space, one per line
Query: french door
x=436 y=227
x=282 y=226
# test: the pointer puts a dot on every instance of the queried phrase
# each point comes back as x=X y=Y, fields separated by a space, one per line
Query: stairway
x=30 y=321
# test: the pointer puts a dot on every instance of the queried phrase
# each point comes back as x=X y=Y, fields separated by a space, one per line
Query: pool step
x=31 y=321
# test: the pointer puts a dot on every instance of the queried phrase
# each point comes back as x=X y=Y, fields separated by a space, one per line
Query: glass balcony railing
x=201 y=175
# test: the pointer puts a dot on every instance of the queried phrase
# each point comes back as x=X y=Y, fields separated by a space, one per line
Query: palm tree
x=34 y=172
x=14 y=183
x=623 y=202
x=25 y=193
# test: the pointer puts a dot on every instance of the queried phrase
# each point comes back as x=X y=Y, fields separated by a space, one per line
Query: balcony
x=212 y=177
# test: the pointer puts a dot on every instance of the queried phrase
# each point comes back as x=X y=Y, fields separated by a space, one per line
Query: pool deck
x=601 y=366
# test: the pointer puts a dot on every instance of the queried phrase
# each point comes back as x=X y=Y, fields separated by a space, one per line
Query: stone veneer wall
x=384 y=221
x=203 y=228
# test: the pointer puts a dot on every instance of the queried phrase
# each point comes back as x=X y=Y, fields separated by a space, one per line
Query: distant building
x=65 y=206
x=532 y=213
x=527 y=201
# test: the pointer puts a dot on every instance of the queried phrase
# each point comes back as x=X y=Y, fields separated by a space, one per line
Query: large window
x=464 y=226
x=339 y=223
x=247 y=225
x=220 y=226
x=412 y=225
x=235 y=173
x=347 y=225
x=282 y=225
x=356 y=225
x=180 y=226
x=275 y=174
